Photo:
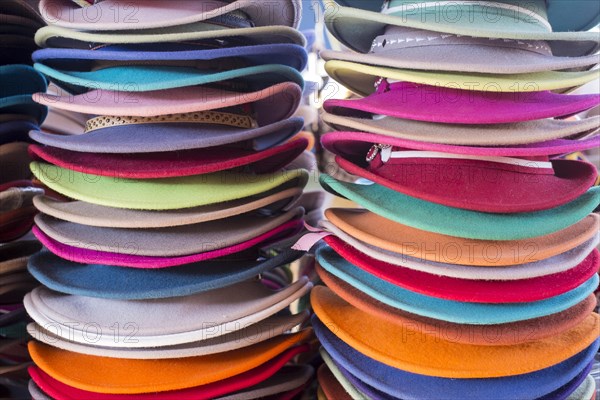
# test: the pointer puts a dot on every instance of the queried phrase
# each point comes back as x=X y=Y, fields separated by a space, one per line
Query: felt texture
x=516 y=133
x=245 y=250
x=353 y=146
x=404 y=384
x=272 y=104
x=360 y=78
x=55 y=36
x=15 y=131
x=339 y=376
x=164 y=242
x=291 y=55
x=463 y=58
x=454 y=106
x=480 y=185
x=587 y=390
x=24 y=105
x=428 y=355
x=35 y=391
x=97 y=280
x=286 y=379
x=20 y=79
x=472 y=291
x=547 y=266
x=159 y=138
x=15 y=224
x=148 y=15
x=388 y=235
x=485 y=335
x=562 y=16
x=141 y=78
x=463 y=223
x=450 y=310
x=172 y=164
x=267 y=203
x=246 y=336
x=183 y=319
x=14 y=256
x=160 y=194
x=330 y=385
x=368 y=391
x=14 y=160
x=357 y=28
x=16 y=197
x=216 y=375
x=565 y=391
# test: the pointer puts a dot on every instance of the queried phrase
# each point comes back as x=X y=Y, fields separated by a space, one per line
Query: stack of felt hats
x=469 y=271
x=18 y=115
x=167 y=220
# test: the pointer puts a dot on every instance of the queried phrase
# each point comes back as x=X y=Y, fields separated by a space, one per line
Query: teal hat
x=457 y=222
x=143 y=78
x=501 y=19
x=17 y=84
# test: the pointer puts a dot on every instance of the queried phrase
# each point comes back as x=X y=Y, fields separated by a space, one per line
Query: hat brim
x=175 y=193
x=150 y=78
x=245 y=250
x=361 y=78
x=467 y=290
x=110 y=282
x=271 y=104
x=55 y=36
x=152 y=376
x=451 y=221
x=548 y=266
x=172 y=164
x=452 y=106
x=165 y=242
x=528 y=193
x=268 y=203
x=357 y=28
x=148 y=14
x=460 y=58
x=518 y=133
x=391 y=236
x=483 y=335
x=413 y=353
x=403 y=384
x=291 y=55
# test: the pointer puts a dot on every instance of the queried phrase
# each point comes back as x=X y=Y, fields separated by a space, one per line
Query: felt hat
x=144 y=78
x=201 y=316
x=505 y=19
x=450 y=310
x=484 y=335
x=123 y=376
x=270 y=105
x=345 y=244
x=134 y=283
x=475 y=291
x=472 y=178
x=463 y=223
x=586 y=390
x=563 y=15
x=165 y=242
x=266 y=203
x=246 y=250
x=56 y=36
x=411 y=351
x=14 y=255
x=339 y=375
x=14 y=160
x=17 y=84
x=172 y=164
x=246 y=336
x=149 y=14
x=16 y=130
x=451 y=105
x=132 y=136
x=175 y=193
x=516 y=133
x=291 y=55
x=399 y=383
x=409 y=48
x=363 y=79
x=391 y=236
x=330 y=385
x=17 y=197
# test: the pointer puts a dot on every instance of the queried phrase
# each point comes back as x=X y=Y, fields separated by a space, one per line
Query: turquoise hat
x=457 y=222
x=143 y=78
x=17 y=84
x=448 y=310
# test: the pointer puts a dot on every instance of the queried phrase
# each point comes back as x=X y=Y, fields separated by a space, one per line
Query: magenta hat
x=454 y=106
